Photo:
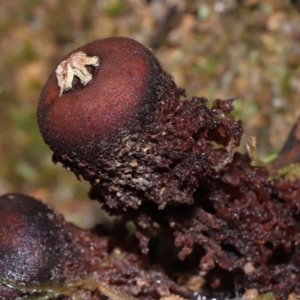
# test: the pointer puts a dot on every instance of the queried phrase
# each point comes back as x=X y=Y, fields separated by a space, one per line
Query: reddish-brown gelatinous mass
x=172 y=170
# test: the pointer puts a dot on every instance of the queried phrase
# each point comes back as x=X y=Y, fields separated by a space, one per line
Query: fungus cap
x=109 y=97
x=29 y=239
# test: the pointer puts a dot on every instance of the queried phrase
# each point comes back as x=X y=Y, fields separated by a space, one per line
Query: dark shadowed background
x=248 y=49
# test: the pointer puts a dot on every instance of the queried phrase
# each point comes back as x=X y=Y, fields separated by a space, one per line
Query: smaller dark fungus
x=30 y=244
x=7 y=293
x=44 y=257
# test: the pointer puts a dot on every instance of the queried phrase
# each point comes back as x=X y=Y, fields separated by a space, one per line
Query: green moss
x=266 y=296
x=114 y=8
x=70 y=288
x=25 y=54
x=290 y=172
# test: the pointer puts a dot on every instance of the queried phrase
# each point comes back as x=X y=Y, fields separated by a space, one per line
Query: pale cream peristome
x=75 y=66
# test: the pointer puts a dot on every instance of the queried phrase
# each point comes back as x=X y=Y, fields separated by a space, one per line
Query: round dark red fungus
x=99 y=92
x=113 y=116
x=30 y=244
